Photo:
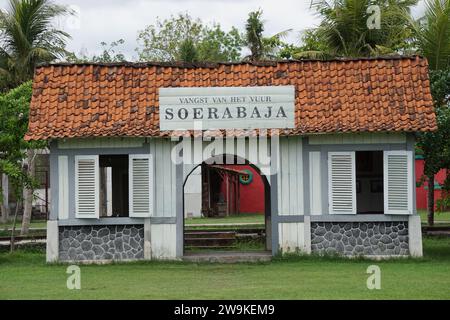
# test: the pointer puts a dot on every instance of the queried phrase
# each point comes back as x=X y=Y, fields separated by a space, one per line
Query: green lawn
x=33 y=224
x=241 y=218
x=25 y=275
x=438 y=216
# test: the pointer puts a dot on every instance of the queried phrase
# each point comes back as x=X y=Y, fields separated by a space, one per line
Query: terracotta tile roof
x=359 y=95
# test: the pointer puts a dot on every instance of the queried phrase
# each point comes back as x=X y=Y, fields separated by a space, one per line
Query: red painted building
x=422 y=185
x=251 y=190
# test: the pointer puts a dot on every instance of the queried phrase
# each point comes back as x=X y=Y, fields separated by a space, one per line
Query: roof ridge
x=205 y=64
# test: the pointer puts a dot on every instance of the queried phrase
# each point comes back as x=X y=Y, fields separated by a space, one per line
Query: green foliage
x=27 y=38
x=432 y=34
x=187 y=51
x=261 y=47
x=254 y=29
x=14 y=109
x=168 y=40
x=435 y=145
x=110 y=53
x=343 y=30
x=218 y=45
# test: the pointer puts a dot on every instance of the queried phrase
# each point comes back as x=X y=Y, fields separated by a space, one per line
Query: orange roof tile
x=347 y=95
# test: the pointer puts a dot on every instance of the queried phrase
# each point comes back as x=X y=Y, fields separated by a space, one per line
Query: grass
x=254 y=218
x=24 y=275
x=31 y=233
x=438 y=216
x=33 y=224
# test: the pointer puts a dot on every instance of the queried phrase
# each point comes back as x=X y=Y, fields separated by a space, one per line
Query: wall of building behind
x=252 y=194
x=422 y=184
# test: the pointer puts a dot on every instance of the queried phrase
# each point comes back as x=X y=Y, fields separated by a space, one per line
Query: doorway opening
x=226 y=206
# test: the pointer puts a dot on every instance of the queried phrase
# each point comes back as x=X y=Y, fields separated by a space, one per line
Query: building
x=332 y=140
x=422 y=184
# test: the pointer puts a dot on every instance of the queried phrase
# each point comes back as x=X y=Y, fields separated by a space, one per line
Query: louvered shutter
x=86 y=187
x=341 y=186
x=141 y=190
x=398 y=182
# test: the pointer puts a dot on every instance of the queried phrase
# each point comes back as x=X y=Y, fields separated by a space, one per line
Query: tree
x=110 y=53
x=187 y=51
x=344 y=30
x=435 y=146
x=432 y=40
x=168 y=40
x=432 y=34
x=262 y=48
x=14 y=109
x=28 y=38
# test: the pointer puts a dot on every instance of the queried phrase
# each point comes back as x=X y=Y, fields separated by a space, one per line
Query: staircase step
x=208 y=242
x=210 y=234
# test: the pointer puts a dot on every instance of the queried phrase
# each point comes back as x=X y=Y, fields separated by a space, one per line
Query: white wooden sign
x=227 y=108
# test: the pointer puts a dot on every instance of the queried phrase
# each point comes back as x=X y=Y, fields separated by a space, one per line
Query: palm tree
x=344 y=31
x=432 y=34
x=27 y=37
x=261 y=48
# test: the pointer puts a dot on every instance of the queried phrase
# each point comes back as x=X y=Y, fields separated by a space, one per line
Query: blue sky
x=109 y=20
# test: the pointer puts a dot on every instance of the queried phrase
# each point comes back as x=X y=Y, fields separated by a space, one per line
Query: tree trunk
x=431 y=200
x=13 y=230
x=4 y=202
x=28 y=195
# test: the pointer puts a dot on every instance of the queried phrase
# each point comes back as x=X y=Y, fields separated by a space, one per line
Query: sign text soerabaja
x=227 y=108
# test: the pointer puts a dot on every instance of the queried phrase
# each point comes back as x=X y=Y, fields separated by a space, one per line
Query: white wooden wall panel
x=101 y=143
x=357 y=138
x=163 y=241
x=315 y=183
x=164 y=173
x=291 y=237
x=290 y=177
x=63 y=188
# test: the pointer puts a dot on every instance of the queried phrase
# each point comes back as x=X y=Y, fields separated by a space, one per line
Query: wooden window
x=86 y=187
x=141 y=185
x=341 y=187
x=398 y=182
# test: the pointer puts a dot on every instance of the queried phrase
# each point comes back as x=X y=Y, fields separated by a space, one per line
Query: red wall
x=252 y=195
x=421 y=192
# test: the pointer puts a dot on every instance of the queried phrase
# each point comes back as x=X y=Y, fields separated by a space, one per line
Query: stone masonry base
x=360 y=238
x=109 y=242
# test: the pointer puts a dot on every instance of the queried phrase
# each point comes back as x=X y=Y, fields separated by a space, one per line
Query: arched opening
x=226 y=207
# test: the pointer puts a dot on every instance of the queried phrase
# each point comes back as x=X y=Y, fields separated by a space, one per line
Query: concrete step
x=209 y=242
x=210 y=234
x=228 y=257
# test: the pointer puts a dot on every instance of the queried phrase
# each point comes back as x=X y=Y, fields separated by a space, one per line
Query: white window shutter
x=140 y=185
x=342 y=185
x=87 y=187
x=398 y=182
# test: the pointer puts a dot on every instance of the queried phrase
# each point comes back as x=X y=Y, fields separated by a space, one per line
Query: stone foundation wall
x=112 y=242
x=360 y=238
